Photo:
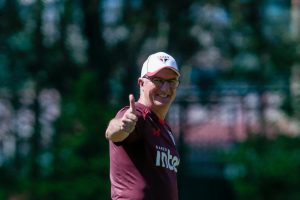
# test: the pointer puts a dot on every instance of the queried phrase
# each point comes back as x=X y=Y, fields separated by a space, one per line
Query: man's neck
x=161 y=112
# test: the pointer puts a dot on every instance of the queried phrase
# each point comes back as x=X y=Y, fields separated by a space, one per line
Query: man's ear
x=140 y=81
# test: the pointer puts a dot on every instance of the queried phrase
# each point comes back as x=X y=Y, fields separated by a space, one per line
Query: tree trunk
x=295 y=72
x=98 y=59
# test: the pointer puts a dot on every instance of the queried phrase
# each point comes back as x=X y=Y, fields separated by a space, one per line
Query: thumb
x=132 y=104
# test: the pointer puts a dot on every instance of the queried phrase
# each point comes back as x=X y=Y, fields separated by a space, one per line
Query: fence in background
x=208 y=123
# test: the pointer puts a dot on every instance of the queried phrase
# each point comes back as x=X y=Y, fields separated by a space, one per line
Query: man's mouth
x=162 y=95
x=163 y=98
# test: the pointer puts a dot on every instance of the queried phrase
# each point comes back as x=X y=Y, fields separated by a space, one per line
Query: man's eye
x=157 y=80
x=173 y=81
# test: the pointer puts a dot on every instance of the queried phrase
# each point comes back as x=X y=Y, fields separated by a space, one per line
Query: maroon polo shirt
x=144 y=165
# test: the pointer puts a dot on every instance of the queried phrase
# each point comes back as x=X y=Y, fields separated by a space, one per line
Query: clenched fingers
x=128 y=122
x=131 y=117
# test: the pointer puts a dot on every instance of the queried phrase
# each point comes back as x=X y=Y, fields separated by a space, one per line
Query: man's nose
x=165 y=86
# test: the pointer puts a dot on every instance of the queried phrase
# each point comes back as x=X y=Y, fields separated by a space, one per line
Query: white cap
x=158 y=61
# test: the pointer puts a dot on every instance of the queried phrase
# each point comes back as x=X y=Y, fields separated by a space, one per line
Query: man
x=143 y=156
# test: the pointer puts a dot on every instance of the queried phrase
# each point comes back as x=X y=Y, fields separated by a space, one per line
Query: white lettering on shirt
x=165 y=159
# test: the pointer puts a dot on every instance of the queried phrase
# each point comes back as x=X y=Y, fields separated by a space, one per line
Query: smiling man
x=143 y=156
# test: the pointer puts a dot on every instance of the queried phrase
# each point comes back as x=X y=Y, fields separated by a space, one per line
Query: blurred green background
x=67 y=66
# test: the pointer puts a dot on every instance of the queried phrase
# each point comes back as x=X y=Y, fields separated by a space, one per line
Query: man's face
x=160 y=90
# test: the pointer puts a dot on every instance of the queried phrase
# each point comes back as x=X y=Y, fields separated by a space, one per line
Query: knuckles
x=128 y=121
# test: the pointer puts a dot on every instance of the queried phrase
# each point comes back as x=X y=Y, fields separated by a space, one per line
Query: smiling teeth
x=163 y=95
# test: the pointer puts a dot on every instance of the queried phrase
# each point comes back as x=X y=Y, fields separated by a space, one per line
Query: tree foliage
x=264 y=168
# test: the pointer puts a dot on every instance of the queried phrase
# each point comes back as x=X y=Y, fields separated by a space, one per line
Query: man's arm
x=119 y=128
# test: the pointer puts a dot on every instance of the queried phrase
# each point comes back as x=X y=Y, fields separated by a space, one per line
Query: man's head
x=158 y=82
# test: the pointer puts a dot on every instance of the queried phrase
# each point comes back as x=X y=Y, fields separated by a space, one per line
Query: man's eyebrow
x=175 y=78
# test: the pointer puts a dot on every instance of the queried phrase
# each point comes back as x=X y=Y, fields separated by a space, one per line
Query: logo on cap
x=164 y=59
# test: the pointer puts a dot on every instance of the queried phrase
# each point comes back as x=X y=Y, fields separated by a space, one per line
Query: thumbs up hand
x=129 y=119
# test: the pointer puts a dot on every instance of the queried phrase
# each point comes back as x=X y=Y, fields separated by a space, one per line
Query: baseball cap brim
x=166 y=67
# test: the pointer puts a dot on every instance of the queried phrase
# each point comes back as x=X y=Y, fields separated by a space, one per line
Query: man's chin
x=162 y=103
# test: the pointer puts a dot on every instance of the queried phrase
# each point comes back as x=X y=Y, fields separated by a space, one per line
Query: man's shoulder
x=141 y=110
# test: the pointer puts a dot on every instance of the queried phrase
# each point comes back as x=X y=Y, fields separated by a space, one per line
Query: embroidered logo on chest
x=156 y=131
